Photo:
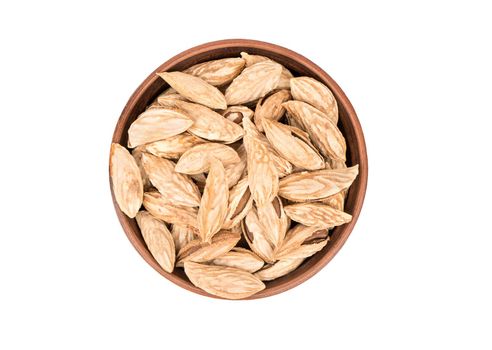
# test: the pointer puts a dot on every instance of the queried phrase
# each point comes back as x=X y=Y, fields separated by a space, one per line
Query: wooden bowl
x=298 y=65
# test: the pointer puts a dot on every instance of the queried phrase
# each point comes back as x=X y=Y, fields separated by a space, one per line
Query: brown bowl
x=298 y=65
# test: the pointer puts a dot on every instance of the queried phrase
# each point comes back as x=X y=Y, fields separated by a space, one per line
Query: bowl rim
x=341 y=99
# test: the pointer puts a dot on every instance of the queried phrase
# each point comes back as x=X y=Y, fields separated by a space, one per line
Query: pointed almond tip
x=115 y=146
x=178 y=167
x=165 y=76
x=354 y=169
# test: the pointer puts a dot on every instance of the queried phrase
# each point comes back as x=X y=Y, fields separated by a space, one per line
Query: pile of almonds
x=241 y=170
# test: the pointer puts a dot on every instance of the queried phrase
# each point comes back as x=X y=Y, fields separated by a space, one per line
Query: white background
x=416 y=271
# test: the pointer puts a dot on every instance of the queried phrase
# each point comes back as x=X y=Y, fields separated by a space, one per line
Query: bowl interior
x=298 y=65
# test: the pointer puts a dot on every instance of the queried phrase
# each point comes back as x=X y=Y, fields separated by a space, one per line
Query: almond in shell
x=284 y=81
x=195 y=89
x=253 y=83
x=262 y=173
x=213 y=207
x=158 y=240
x=177 y=187
x=208 y=124
x=278 y=269
x=317 y=214
x=223 y=281
x=217 y=72
x=137 y=154
x=157 y=124
x=292 y=145
x=173 y=147
x=256 y=237
x=240 y=258
x=315 y=185
x=298 y=113
x=317 y=94
x=126 y=180
x=305 y=250
x=196 y=159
